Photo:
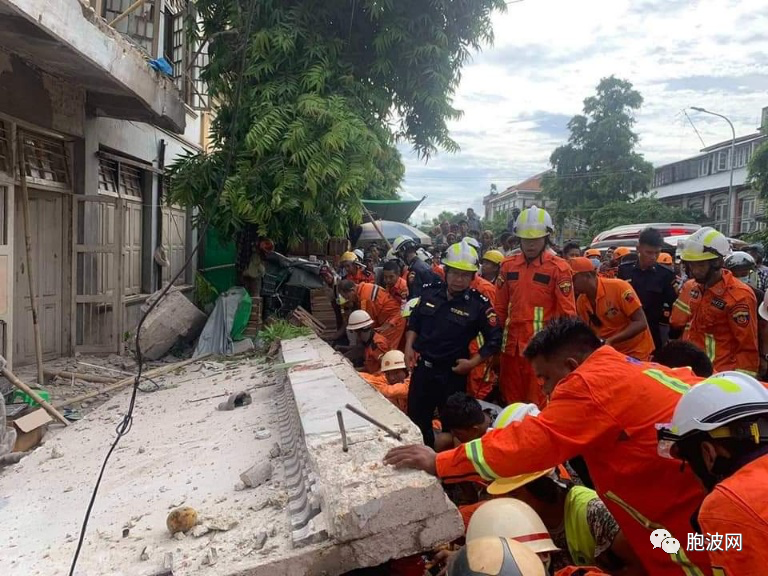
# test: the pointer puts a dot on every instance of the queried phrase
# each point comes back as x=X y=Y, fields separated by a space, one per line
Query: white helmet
x=461 y=257
x=704 y=244
x=533 y=223
x=423 y=255
x=472 y=242
x=359 y=253
x=510 y=518
x=401 y=243
x=713 y=403
x=390 y=255
x=393 y=360
x=358 y=320
x=739 y=260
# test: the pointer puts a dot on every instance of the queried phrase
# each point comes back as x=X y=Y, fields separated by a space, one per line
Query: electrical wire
x=124 y=427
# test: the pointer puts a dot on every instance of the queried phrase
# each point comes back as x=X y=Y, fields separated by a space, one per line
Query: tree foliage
x=757 y=175
x=448 y=216
x=599 y=163
x=641 y=211
x=328 y=89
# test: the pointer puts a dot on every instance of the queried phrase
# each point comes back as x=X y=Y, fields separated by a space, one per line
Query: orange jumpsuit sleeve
x=387 y=309
x=681 y=309
x=502 y=298
x=557 y=434
x=742 y=322
x=566 y=304
x=630 y=303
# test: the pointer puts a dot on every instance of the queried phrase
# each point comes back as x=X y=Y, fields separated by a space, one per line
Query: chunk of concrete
x=257 y=474
x=174 y=318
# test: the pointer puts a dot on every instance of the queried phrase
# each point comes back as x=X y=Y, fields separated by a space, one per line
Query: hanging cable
x=125 y=424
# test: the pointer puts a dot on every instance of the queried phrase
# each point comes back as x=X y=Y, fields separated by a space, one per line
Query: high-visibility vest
x=581 y=541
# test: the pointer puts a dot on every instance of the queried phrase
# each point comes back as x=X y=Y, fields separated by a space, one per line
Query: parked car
x=627 y=235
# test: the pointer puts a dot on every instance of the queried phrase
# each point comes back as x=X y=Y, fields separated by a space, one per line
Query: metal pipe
x=344 y=445
x=373 y=421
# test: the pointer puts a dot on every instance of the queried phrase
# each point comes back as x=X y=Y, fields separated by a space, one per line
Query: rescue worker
x=441 y=327
x=592 y=253
x=744 y=268
x=437 y=267
x=571 y=250
x=680 y=353
x=610 y=266
x=604 y=406
x=491 y=267
x=724 y=315
x=537 y=287
x=720 y=429
x=393 y=283
x=466 y=418
x=680 y=316
x=382 y=308
x=612 y=309
x=653 y=284
x=392 y=381
x=419 y=273
x=495 y=557
x=354 y=269
x=370 y=346
x=757 y=251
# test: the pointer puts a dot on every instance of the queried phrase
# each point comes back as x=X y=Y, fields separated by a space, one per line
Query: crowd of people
x=576 y=404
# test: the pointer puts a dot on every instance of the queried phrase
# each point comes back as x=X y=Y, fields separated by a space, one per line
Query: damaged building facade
x=87 y=126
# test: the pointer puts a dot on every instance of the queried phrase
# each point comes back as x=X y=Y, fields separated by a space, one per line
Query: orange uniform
x=395 y=393
x=383 y=309
x=615 y=304
x=439 y=270
x=399 y=291
x=361 y=275
x=480 y=380
x=681 y=310
x=606 y=410
x=608 y=270
x=378 y=346
x=532 y=294
x=724 y=325
x=738 y=505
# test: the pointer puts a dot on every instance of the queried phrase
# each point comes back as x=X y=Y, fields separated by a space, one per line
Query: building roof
x=739 y=140
x=532 y=184
x=701 y=184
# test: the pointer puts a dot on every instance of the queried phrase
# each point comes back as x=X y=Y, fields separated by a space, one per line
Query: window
x=46 y=159
x=139 y=25
x=743 y=154
x=720 y=216
x=748 y=209
x=722 y=160
x=5 y=149
x=705 y=166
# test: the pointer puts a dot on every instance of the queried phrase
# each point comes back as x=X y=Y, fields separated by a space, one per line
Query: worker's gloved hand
x=416 y=456
x=463 y=366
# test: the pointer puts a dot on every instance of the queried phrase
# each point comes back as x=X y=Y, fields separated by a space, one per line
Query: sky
x=519 y=94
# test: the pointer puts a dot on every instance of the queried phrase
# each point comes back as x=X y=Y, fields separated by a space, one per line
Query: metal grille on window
x=116 y=178
x=5 y=149
x=178 y=44
x=46 y=158
x=139 y=25
x=198 y=86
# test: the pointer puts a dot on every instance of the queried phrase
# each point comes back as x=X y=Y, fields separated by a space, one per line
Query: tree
x=757 y=175
x=599 y=163
x=445 y=215
x=313 y=95
x=640 y=211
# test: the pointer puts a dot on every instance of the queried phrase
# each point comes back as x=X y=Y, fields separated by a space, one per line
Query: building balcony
x=67 y=39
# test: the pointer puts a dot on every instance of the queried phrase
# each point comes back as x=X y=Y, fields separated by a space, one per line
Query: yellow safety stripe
x=748 y=372
x=672 y=383
x=682 y=306
x=538 y=319
x=709 y=344
x=689 y=569
x=474 y=451
x=480 y=340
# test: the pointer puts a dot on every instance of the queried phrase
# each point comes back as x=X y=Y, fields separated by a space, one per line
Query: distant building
x=701 y=183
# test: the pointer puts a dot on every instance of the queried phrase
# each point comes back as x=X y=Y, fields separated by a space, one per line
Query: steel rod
x=373 y=421
x=343 y=430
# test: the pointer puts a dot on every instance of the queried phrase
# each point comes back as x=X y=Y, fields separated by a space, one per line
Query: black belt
x=431 y=363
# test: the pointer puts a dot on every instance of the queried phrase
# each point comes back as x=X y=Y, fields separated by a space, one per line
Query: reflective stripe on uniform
x=538 y=319
x=709 y=344
x=474 y=451
x=672 y=383
x=682 y=306
x=679 y=558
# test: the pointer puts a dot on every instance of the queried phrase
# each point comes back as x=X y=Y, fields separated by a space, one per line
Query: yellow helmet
x=461 y=257
x=533 y=223
x=348 y=257
x=705 y=244
x=494 y=256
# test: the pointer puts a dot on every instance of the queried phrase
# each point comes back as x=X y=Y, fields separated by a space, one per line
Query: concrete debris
x=221 y=523
x=56 y=453
x=174 y=318
x=275 y=451
x=257 y=474
x=262 y=434
x=211 y=557
x=259 y=541
x=239 y=487
x=146 y=553
x=199 y=530
x=236 y=400
x=179 y=536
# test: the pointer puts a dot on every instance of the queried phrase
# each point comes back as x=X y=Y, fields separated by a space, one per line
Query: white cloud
x=550 y=54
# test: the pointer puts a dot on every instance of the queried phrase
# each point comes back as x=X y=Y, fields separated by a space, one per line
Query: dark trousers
x=431 y=384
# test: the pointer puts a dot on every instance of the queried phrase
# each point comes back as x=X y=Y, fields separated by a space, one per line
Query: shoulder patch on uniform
x=695 y=293
x=740 y=314
x=718 y=303
x=565 y=287
x=493 y=319
x=628 y=296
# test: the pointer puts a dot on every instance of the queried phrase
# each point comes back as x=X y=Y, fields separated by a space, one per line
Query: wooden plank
x=311 y=318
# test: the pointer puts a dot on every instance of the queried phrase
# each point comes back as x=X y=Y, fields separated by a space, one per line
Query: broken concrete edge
x=359 y=498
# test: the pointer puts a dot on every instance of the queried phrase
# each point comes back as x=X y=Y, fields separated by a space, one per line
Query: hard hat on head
x=711 y=404
x=592 y=253
x=402 y=243
x=359 y=253
x=393 y=360
x=494 y=256
x=510 y=518
x=358 y=320
x=423 y=255
x=348 y=257
x=461 y=257
x=533 y=223
x=665 y=259
x=704 y=244
x=620 y=252
x=474 y=242
x=739 y=260
x=390 y=255
x=495 y=557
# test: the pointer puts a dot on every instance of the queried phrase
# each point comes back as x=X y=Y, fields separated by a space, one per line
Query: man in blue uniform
x=654 y=285
x=419 y=272
x=447 y=318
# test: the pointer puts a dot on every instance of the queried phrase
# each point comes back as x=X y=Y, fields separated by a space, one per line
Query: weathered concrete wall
x=39 y=98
